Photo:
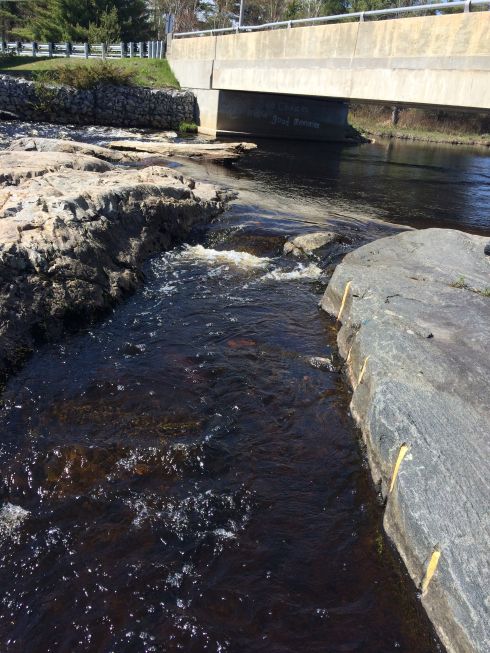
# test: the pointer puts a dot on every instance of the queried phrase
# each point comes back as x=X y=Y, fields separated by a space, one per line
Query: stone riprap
x=118 y=106
x=415 y=335
x=74 y=232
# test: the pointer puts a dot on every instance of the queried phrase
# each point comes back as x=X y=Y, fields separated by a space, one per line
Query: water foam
x=11 y=518
x=225 y=257
x=307 y=272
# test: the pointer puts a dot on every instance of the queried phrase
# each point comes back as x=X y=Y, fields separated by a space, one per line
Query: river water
x=185 y=476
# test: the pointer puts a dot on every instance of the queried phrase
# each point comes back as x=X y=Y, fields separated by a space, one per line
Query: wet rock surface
x=308 y=243
x=74 y=232
x=415 y=330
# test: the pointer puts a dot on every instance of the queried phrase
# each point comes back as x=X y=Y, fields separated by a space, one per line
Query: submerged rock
x=74 y=232
x=415 y=334
x=306 y=244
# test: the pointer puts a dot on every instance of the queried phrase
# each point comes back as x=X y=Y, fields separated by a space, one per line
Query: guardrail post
x=123 y=48
x=467 y=6
x=67 y=49
x=34 y=48
x=50 y=50
x=85 y=50
x=361 y=17
x=19 y=47
x=3 y=46
x=131 y=50
x=142 y=49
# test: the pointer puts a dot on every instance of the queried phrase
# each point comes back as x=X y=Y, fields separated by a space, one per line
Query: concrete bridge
x=296 y=81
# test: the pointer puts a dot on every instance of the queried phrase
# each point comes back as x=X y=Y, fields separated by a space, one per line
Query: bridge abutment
x=222 y=112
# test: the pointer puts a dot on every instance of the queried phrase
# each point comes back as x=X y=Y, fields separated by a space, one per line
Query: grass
x=153 y=73
x=188 y=128
x=461 y=283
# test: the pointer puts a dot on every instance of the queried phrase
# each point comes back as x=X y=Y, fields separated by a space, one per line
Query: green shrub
x=188 y=128
x=45 y=94
x=88 y=76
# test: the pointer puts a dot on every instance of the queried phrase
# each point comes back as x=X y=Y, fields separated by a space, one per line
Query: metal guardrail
x=359 y=15
x=143 y=49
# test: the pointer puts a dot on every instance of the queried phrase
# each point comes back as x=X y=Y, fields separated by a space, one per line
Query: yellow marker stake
x=344 y=299
x=347 y=360
x=431 y=569
x=363 y=369
x=401 y=456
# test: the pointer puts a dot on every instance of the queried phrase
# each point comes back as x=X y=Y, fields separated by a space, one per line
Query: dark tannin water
x=185 y=476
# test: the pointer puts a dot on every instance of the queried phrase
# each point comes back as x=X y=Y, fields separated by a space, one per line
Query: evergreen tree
x=69 y=20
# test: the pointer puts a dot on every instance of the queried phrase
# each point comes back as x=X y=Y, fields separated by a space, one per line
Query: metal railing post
x=142 y=49
x=50 y=50
x=467 y=6
x=85 y=50
x=103 y=50
x=123 y=53
x=34 y=48
x=67 y=49
x=131 y=50
x=240 y=17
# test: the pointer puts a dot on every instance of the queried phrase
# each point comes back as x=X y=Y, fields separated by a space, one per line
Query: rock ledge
x=416 y=328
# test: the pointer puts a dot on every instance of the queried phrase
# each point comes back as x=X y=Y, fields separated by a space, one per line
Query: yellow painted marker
x=347 y=360
x=344 y=299
x=363 y=369
x=431 y=569
x=401 y=455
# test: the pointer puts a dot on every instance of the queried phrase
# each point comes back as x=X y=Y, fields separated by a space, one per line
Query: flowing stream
x=185 y=476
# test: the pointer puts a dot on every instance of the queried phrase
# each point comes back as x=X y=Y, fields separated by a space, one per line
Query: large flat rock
x=418 y=310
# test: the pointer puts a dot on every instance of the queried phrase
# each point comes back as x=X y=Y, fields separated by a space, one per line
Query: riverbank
x=148 y=73
x=414 y=311
x=421 y=125
x=114 y=104
x=75 y=231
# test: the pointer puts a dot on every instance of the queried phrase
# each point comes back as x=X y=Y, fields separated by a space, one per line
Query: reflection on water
x=185 y=476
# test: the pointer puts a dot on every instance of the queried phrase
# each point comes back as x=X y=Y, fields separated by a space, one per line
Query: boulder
x=415 y=334
x=307 y=244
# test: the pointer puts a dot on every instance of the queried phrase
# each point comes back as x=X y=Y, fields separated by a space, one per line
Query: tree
x=107 y=30
x=70 y=20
